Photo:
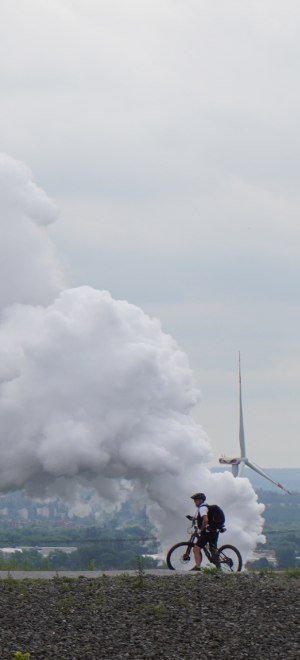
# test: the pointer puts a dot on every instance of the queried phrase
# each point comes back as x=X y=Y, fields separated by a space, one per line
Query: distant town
x=17 y=510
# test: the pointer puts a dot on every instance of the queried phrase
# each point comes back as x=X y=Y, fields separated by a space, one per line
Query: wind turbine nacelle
x=229 y=461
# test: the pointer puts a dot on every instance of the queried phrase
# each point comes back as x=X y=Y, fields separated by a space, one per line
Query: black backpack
x=216 y=517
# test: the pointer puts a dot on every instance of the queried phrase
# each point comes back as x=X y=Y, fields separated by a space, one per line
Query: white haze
x=93 y=392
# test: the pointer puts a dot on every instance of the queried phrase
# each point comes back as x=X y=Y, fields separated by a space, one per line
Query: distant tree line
x=100 y=548
x=89 y=557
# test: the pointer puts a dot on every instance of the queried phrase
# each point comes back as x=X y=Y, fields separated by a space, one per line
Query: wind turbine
x=238 y=464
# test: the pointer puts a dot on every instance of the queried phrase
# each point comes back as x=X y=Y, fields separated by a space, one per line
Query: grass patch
x=293 y=572
x=67 y=602
x=158 y=611
x=206 y=570
x=123 y=579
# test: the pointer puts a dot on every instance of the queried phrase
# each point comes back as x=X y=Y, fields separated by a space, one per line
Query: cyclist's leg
x=202 y=541
x=213 y=544
x=197 y=555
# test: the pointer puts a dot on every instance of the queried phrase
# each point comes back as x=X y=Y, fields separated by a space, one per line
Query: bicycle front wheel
x=180 y=557
x=229 y=559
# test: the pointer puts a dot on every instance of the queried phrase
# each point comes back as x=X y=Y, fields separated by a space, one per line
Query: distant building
x=43 y=512
x=23 y=513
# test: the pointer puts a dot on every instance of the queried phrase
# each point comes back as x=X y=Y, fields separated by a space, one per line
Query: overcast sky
x=167 y=133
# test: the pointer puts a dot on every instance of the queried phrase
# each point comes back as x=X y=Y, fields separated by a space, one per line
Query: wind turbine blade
x=266 y=476
x=241 y=429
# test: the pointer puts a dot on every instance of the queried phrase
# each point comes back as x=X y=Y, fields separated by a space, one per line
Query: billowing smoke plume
x=92 y=392
x=29 y=272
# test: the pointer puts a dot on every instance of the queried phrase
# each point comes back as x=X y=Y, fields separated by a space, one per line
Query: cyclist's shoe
x=196 y=568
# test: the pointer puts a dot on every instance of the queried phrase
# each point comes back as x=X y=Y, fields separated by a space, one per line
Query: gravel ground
x=186 y=617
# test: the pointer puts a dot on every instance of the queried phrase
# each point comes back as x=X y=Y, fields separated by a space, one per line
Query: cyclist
x=207 y=533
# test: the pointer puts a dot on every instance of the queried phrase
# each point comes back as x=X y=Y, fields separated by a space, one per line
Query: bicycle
x=227 y=558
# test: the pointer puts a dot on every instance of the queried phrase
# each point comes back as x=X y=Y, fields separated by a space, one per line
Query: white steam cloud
x=92 y=392
x=29 y=272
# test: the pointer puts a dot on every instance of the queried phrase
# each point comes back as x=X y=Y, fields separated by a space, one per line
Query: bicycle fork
x=187 y=554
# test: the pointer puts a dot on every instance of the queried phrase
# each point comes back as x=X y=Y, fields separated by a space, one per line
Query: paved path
x=49 y=575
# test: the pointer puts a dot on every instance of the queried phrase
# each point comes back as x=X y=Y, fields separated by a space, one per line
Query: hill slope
x=170 y=617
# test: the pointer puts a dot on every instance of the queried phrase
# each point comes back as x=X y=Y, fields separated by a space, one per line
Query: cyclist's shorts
x=208 y=537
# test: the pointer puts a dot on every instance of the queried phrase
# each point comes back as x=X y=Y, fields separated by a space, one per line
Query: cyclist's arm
x=203 y=517
x=204 y=523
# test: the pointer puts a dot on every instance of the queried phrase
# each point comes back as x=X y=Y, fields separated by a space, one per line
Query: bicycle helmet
x=198 y=496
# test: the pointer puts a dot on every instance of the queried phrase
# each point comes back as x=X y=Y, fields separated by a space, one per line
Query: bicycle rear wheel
x=229 y=559
x=180 y=557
